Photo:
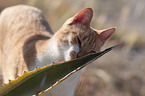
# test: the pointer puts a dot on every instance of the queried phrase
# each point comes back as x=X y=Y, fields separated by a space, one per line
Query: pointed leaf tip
x=117 y=45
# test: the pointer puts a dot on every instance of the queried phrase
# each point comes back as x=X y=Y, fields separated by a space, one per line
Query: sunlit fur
x=26 y=42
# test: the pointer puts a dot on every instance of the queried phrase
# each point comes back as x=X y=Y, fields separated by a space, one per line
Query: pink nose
x=81 y=54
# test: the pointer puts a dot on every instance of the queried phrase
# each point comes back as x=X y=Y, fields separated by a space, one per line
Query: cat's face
x=77 y=30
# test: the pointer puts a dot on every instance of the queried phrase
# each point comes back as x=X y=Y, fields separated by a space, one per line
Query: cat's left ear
x=83 y=17
x=106 y=33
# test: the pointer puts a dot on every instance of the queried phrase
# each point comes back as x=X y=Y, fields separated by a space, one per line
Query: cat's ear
x=83 y=17
x=106 y=33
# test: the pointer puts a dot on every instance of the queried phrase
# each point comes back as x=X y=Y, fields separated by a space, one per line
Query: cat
x=27 y=42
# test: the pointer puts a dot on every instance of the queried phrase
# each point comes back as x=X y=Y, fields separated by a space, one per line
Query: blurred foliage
x=120 y=73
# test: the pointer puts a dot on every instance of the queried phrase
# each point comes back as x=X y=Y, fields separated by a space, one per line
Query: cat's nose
x=81 y=54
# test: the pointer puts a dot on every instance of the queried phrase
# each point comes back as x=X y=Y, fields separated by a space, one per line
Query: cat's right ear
x=83 y=17
x=106 y=33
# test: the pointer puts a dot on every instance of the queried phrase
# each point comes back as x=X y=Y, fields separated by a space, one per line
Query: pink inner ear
x=83 y=17
x=105 y=34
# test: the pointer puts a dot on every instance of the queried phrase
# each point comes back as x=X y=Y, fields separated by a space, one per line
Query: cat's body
x=26 y=42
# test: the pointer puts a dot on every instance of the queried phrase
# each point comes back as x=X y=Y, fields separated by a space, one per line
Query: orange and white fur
x=26 y=42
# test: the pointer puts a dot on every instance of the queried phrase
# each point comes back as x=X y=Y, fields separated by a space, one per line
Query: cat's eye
x=79 y=41
x=92 y=51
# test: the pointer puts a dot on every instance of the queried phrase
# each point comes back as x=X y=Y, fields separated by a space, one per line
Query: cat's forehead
x=79 y=28
x=89 y=38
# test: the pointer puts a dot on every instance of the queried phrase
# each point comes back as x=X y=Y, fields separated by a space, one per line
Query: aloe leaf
x=45 y=78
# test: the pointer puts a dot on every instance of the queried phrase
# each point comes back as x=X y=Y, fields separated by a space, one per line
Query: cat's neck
x=48 y=52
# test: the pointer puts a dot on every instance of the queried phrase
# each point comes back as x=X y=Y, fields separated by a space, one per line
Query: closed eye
x=79 y=41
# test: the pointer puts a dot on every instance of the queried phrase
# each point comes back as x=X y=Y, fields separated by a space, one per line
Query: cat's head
x=77 y=30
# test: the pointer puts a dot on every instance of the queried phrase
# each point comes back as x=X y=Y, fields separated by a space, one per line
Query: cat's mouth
x=83 y=53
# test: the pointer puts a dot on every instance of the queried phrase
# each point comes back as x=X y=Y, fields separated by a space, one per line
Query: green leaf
x=45 y=78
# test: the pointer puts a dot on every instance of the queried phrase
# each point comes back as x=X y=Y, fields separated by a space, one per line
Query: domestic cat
x=27 y=42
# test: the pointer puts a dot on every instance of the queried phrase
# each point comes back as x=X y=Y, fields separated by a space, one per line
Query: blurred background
x=121 y=72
